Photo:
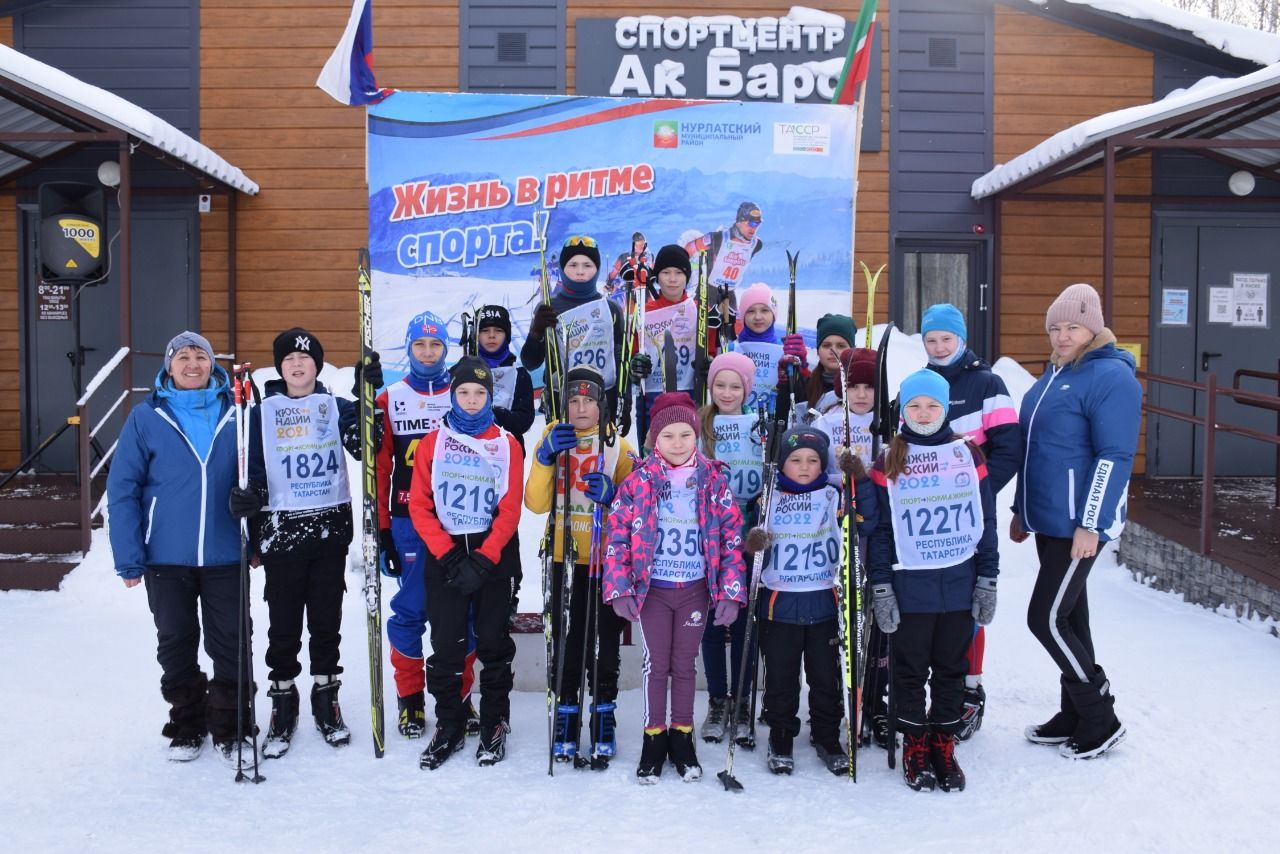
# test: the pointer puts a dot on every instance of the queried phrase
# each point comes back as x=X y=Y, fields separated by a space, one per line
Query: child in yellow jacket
x=592 y=472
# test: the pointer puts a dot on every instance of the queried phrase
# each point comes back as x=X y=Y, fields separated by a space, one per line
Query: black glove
x=501 y=414
x=641 y=366
x=244 y=502
x=468 y=574
x=370 y=373
x=390 y=558
x=701 y=363
x=543 y=318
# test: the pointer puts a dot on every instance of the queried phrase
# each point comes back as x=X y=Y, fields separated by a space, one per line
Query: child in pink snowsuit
x=674 y=553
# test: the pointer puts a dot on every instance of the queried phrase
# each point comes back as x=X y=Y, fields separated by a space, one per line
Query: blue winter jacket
x=932 y=591
x=166 y=506
x=1080 y=426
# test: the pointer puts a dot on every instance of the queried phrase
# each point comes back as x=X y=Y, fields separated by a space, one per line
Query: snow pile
x=117 y=111
x=1232 y=39
x=84 y=765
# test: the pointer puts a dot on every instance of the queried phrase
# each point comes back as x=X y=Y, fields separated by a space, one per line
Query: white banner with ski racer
x=463 y=188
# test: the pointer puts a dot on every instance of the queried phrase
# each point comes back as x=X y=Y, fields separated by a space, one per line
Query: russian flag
x=348 y=75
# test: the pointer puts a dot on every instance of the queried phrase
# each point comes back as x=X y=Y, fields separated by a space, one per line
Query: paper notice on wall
x=53 y=302
x=1173 y=307
x=1221 y=305
x=1249 y=292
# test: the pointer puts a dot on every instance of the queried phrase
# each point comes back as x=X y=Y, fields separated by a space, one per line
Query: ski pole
x=244 y=650
x=726 y=777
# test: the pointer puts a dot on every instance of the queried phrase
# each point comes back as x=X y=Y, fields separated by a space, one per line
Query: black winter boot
x=917 y=770
x=327 y=712
x=413 y=715
x=186 y=727
x=780 y=760
x=493 y=744
x=1099 y=729
x=942 y=755
x=653 y=755
x=975 y=703
x=444 y=743
x=220 y=717
x=284 y=718
x=1058 y=728
x=684 y=756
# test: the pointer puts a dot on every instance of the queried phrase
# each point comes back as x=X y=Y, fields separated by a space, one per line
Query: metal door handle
x=1205 y=356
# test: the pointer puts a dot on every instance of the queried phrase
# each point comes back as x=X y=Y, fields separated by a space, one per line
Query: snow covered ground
x=82 y=767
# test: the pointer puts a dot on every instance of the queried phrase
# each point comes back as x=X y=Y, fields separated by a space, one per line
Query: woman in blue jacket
x=171 y=527
x=1080 y=427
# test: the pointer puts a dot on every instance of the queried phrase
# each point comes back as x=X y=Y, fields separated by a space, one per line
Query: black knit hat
x=469 y=369
x=803 y=437
x=748 y=210
x=494 y=315
x=673 y=255
x=579 y=245
x=585 y=381
x=297 y=340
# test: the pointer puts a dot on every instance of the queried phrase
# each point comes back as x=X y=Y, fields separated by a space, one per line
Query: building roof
x=1232 y=39
x=79 y=106
x=1234 y=110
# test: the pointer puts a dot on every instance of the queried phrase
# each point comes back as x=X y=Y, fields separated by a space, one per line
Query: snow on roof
x=1078 y=137
x=1231 y=39
x=118 y=112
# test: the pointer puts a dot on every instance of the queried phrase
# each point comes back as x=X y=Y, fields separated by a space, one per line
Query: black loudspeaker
x=72 y=243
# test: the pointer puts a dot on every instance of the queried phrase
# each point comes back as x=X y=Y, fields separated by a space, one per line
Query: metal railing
x=1209 y=422
x=86 y=434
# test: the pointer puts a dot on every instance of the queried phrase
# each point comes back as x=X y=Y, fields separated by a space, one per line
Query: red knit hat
x=671 y=407
x=859 y=365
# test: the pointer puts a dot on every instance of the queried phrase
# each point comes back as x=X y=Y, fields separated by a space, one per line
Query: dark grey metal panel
x=484 y=25
x=146 y=51
x=940 y=131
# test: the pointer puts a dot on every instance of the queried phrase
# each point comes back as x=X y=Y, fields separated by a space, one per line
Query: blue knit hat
x=925 y=383
x=426 y=325
x=944 y=317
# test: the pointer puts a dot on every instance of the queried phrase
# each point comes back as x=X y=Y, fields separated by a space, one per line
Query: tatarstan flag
x=857 y=63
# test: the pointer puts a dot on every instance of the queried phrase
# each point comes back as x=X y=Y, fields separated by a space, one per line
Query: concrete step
x=42 y=574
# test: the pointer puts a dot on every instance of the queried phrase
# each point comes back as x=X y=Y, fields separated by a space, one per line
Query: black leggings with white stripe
x=1058 y=614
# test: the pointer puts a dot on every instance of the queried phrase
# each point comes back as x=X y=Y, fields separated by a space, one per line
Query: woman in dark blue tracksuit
x=171 y=527
x=1080 y=424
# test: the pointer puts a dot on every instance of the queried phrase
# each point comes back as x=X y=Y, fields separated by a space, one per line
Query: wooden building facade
x=964 y=85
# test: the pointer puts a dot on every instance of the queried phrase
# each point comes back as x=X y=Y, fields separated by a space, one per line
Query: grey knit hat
x=186 y=339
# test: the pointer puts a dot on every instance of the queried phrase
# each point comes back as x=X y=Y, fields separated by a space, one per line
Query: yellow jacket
x=582 y=460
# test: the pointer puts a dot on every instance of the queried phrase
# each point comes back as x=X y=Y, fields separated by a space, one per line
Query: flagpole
x=853 y=206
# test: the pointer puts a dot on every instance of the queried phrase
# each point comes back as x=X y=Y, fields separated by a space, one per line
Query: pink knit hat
x=757 y=294
x=671 y=407
x=1080 y=304
x=739 y=364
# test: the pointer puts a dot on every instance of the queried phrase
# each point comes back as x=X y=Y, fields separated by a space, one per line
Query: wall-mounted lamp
x=1241 y=183
x=109 y=173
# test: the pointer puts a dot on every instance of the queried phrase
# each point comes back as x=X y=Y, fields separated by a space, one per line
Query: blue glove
x=559 y=438
x=600 y=488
